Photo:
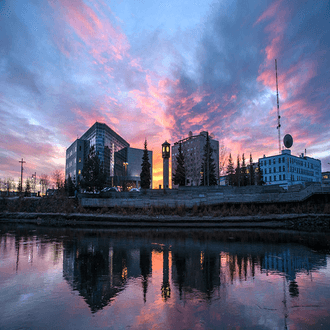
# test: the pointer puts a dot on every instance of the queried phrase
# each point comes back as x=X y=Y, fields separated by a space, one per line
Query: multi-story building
x=193 y=150
x=128 y=167
x=105 y=141
x=286 y=169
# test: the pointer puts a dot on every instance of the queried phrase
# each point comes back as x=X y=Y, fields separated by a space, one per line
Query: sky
x=156 y=70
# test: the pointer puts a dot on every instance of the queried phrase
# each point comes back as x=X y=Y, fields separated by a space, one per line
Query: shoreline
x=300 y=222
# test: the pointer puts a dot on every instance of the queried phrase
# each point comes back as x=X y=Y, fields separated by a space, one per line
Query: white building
x=193 y=151
x=286 y=169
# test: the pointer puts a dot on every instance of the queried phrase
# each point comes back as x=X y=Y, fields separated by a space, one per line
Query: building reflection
x=99 y=268
x=99 y=271
x=166 y=288
x=196 y=270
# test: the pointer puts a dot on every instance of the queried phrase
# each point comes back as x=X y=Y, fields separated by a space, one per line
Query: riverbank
x=301 y=222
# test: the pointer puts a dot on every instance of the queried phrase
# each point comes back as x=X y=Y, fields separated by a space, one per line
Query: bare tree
x=44 y=182
x=10 y=184
x=58 y=178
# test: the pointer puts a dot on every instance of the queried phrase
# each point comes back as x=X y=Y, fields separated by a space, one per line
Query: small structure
x=166 y=158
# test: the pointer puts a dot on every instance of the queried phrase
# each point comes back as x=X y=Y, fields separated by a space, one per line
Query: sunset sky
x=159 y=69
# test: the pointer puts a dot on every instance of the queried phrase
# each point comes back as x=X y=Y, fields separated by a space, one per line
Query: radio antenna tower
x=278 y=113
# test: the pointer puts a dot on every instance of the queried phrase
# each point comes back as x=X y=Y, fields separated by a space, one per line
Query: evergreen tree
x=259 y=176
x=238 y=172
x=27 y=191
x=251 y=172
x=180 y=172
x=230 y=179
x=93 y=176
x=243 y=172
x=145 y=172
x=69 y=186
x=208 y=166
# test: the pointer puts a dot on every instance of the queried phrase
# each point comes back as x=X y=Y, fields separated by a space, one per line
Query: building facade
x=128 y=167
x=105 y=142
x=193 y=151
x=286 y=169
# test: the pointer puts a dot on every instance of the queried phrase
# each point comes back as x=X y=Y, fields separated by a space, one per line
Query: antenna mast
x=278 y=113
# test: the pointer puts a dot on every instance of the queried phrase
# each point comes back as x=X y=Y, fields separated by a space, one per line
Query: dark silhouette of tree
x=230 y=179
x=58 y=178
x=259 y=176
x=251 y=172
x=208 y=166
x=145 y=172
x=93 y=176
x=69 y=186
x=244 y=180
x=238 y=172
x=180 y=172
x=27 y=191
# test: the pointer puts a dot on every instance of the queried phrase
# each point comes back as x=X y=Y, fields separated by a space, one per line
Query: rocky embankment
x=301 y=222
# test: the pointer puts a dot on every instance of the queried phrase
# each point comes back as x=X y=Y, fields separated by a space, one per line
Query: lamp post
x=125 y=165
x=166 y=157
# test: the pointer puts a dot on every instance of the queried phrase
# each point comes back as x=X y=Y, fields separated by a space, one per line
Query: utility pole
x=278 y=113
x=22 y=162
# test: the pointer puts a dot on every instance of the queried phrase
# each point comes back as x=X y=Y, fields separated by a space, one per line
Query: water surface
x=84 y=279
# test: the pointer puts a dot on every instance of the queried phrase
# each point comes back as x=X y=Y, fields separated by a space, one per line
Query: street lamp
x=125 y=165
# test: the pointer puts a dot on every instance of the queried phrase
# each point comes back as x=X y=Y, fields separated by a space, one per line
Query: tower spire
x=278 y=113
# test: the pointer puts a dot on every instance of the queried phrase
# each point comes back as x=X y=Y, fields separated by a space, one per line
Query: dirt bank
x=303 y=222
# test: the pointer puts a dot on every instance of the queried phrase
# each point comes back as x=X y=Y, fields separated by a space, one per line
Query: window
x=265 y=179
x=265 y=170
x=261 y=163
x=280 y=177
x=279 y=160
x=270 y=162
x=79 y=148
x=283 y=176
x=283 y=168
x=274 y=161
x=274 y=177
x=274 y=169
x=270 y=170
x=79 y=172
x=79 y=160
x=283 y=160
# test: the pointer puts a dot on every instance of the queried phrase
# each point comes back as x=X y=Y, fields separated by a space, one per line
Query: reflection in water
x=101 y=267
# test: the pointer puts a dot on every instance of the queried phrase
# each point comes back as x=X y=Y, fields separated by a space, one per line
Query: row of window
x=280 y=169
x=282 y=160
x=274 y=178
x=264 y=162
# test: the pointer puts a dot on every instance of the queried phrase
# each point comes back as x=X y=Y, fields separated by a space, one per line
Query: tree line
x=242 y=175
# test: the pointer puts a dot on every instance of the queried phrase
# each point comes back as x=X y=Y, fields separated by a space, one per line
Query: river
x=57 y=278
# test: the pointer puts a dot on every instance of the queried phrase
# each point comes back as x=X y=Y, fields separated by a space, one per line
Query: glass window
x=274 y=161
x=270 y=162
x=274 y=169
x=283 y=176
x=270 y=170
x=280 y=177
x=279 y=160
